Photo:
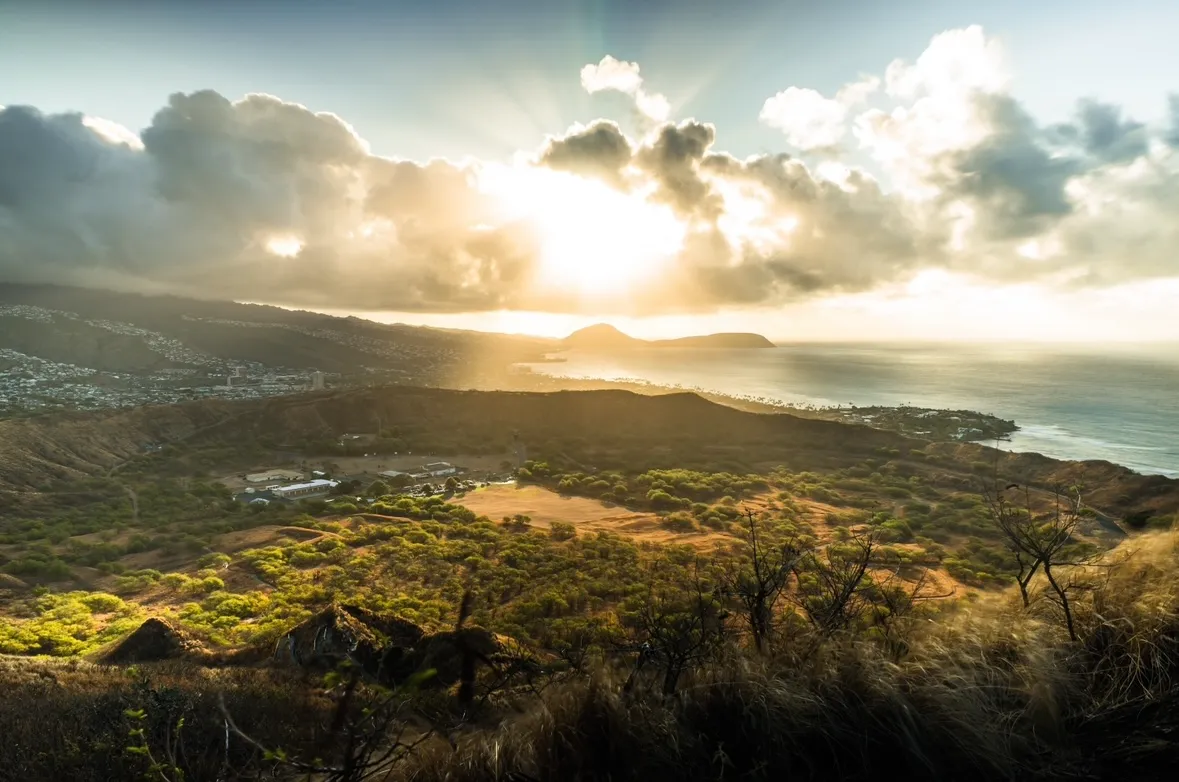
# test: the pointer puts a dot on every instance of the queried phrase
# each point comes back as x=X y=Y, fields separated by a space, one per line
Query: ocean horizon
x=1076 y=402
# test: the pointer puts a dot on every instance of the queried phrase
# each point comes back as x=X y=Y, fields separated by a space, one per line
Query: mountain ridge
x=610 y=425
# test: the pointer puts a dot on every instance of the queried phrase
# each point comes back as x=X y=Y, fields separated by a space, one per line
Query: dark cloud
x=600 y=150
x=192 y=211
x=1106 y=136
x=39 y=155
x=1017 y=184
x=1171 y=135
x=673 y=160
x=829 y=238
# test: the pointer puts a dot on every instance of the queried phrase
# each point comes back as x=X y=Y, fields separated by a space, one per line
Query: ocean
x=1069 y=402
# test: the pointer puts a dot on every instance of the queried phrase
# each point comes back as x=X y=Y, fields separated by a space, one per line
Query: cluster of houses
x=320 y=484
x=427 y=471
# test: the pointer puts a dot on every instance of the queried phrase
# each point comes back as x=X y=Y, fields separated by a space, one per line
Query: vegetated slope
x=611 y=428
x=1104 y=485
x=585 y=429
x=65 y=446
x=618 y=428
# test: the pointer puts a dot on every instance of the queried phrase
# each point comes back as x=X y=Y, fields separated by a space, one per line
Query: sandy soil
x=545 y=507
x=260 y=537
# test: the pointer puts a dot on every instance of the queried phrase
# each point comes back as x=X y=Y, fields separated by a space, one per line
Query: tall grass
x=989 y=690
x=68 y=721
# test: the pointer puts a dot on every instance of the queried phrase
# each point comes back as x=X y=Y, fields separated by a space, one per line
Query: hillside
x=35 y=450
x=69 y=446
x=111 y=331
x=126 y=543
x=602 y=429
x=603 y=337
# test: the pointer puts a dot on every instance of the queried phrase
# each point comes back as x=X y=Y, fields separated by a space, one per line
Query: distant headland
x=605 y=338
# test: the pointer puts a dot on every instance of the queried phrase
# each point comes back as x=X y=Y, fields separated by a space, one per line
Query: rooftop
x=315 y=484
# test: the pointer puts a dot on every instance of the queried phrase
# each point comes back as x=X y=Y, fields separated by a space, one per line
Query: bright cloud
x=811 y=121
x=955 y=62
x=267 y=200
x=807 y=118
x=620 y=76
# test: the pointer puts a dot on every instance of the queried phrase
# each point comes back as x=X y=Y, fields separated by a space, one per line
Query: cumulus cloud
x=956 y=61
x=811 y=121
x=1012 y=182
x=601 y=150
x=266 y=200
x=807 y=118
x=1106 y=135
x=621 y=76
x=193 y=207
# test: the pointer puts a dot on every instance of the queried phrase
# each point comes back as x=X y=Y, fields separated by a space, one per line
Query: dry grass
x=259 y=537
x=545 y=507
x=988 y=690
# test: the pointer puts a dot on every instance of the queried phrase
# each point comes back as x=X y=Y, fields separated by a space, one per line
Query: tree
x=676 y=627
x=377 y=488
x=833 y=585
x=400 y=481
x=452 y=484
x=895 y=608
x=1040 y=540
x=346 y=488
x=365 y=739
x=757 y=582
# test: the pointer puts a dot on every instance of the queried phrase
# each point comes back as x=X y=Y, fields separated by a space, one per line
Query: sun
x=285 y=246
x=595 y=241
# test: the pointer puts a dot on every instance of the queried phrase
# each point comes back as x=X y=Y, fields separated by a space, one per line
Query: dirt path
x=131 y=495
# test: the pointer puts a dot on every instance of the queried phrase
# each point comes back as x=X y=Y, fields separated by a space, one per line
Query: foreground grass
x=989 y=691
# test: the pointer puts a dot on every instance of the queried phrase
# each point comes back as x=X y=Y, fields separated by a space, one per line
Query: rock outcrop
x=389 y=649
x=152 y=641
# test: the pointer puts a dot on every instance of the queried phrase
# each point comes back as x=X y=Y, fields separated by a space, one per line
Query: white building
x=298 y=491
x=438 y=469
x=273 y=475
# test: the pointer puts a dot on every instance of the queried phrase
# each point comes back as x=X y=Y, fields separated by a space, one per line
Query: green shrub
x=561 y=530
x=678 y=522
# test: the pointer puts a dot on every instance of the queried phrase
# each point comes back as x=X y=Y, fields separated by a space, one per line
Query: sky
x=828 y=171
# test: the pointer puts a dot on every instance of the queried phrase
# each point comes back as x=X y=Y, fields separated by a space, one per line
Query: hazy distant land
x=604 y=337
